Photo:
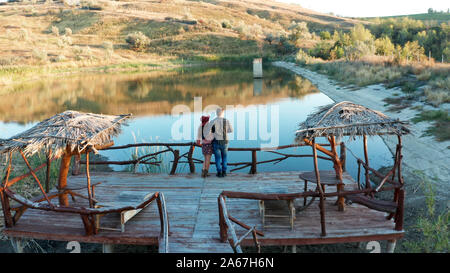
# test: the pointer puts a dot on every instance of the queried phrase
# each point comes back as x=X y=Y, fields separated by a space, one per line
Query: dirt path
x=419 y=153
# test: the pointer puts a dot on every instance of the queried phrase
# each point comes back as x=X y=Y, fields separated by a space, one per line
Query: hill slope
x=35 y=34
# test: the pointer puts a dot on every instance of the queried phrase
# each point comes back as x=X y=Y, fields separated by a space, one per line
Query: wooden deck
x=193 y=214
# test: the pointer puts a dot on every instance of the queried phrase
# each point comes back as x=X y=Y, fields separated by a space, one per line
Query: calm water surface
x=266 y=112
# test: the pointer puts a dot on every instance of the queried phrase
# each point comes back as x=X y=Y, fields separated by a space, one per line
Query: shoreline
x=422 y=153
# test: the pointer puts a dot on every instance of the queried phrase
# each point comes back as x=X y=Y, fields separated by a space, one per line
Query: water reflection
x=151 y=96
x=146 y=94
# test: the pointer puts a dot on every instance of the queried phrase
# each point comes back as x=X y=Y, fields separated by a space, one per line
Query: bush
x=384 y=46
x=227 y=24
x=68 y=31
x=303 y=58
x=358 y=50
x=40 y=55
x=321 y=50
x=325 y=35
x=55 y=31
x=137 y=41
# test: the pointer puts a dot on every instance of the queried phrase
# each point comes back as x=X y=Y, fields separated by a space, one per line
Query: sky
x=372 y=8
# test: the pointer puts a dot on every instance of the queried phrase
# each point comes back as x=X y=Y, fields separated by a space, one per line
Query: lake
x=167 y=105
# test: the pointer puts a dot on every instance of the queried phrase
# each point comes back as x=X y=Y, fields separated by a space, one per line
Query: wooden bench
x=124 y=199
x=376 y=204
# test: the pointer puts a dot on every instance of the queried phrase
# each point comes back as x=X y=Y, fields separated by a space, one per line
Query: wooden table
x=327 y=178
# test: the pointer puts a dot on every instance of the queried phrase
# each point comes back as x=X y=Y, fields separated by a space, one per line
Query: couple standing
x=212 y=135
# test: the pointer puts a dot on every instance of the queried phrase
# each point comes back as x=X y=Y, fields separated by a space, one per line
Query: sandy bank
x=419 y=153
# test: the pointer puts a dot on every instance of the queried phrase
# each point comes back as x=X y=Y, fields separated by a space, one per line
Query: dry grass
x=73 y=38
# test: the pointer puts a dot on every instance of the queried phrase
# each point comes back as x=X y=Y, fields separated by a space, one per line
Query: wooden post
x=343 y=157
x=6 y=209
x=17 y=244
x=47 y=174
x=163 y=240
x=399 y=212
x=62 y=179
x=4 y=198
x=190 y=160
x=319 y=187
x=76 y=165
x=88 y=180
x=366 y=158
x=222 y=224
x=176 y=157
x=108 y=248
x=254 y=161
x=35 y=177
x=391 y=246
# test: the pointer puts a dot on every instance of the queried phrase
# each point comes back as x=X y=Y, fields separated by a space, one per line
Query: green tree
x=384 y=46
x=325 y=35
x=360 y=33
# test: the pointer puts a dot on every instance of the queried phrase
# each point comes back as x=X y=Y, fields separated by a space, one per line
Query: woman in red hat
x=205 y=138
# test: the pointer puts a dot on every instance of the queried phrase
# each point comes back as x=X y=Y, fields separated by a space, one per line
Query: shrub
x=321 y=50
x=437 y=96
x=55 y=31
x=358 y=50
x=40 y=55
x=227 y=24
x=68 y=31
x=63 y=41
x=384 y=46
x=325 y=35
x=303 y=58
x=109 y=47
x=137 y=41
x=24 y=34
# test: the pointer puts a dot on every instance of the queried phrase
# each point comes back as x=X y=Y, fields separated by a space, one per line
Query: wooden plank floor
x=193 y=214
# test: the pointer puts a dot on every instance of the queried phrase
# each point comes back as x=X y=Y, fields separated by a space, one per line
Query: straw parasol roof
x=348 y=119
x=71 y=129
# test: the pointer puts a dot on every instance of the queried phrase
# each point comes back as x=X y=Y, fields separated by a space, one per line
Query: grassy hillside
x=55 y=37
x=438 y=17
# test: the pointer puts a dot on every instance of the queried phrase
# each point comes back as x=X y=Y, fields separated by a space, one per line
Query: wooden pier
x=193 y=213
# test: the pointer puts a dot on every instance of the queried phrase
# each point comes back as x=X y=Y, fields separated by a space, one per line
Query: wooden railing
x=188 y=157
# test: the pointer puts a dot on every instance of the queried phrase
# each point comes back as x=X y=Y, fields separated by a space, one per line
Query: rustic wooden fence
x=188 y=157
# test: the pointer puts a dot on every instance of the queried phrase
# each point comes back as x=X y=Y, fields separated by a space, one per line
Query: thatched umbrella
x=346 y=119
x=65 y=135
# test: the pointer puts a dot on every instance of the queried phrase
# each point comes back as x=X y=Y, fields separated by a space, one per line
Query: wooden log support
x=366 y=158
x=176 y=158
x=254 y=162
x=234 y=241
x=190 y=159
x=47 y=173
x=343 y=156
x=163 y=240
x=9 y=222
x=35 y=177
x=108 y=248
x=17 y=245
x=400 y=210
x=62 y=179
x=391 y=246
x=319 y=187
x=88 y=181
x=4 y=198
x=76 y=164
x=260 y=233
x=222 y=224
